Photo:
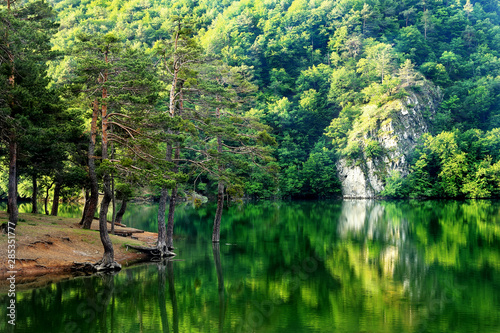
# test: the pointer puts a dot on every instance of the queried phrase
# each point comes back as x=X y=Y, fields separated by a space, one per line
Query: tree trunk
x=218 y=212
x=171 y=108
x=220 y=189
x=12 y=192
x=161 y=245
x=46 y=200
x=85 y=207
x=176 y=69
x=109 y=254
x=170 y=224
x=34 y=209
x=108 y=258
x=171 y=207
x=113 y=203
x=94 y=187
x=113 y=198
x=55 y=202
x=123 y=208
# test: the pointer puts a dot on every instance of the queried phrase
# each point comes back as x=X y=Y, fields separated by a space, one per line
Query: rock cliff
x=385 y=136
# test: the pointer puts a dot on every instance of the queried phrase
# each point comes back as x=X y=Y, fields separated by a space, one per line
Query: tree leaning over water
x=176 y=57
x=118 y=83
x=231 y=142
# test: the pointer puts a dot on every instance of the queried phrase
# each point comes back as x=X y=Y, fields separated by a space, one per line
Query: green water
x=346 y=266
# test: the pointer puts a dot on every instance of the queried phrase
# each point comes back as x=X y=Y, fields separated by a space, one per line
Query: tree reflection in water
x=351 y=266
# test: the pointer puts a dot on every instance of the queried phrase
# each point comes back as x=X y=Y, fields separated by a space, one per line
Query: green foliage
x=320 y=174
x=394 y=186
x=339 y=128
x=435 y=72
x=312 y=68
x=372 y=149
x=32 y=114
x=124 y=191
x=352 y=151
x=455 y=165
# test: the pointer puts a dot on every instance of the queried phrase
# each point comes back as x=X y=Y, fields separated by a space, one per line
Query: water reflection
x=348 y=266
x=220 y=284
x=167 y=265
x=162 y=299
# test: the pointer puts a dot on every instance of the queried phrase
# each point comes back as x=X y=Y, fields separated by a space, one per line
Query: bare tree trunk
x=218 y=212
x=94 y=187
x=108 y=258
x=220 y=190
x=12 y=192
x=34 y=208
x=113 y=194
x=170 y=223
x=171 y=108
x=171 y=207
x=55 y=202
x=46 y=200
x=109 y=254
x=123 y=208
x=113 y=203
x=85 y=206
x=161 y=245
x=12 y=186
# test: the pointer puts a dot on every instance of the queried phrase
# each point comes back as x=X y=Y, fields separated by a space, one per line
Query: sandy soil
x=48 y=246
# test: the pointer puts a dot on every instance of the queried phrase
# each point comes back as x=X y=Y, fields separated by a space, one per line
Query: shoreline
x=47 y=247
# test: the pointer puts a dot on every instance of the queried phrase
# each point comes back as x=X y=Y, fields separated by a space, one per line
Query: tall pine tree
x=25 y=35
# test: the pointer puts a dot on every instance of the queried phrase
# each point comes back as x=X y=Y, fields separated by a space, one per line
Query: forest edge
x=48 y=248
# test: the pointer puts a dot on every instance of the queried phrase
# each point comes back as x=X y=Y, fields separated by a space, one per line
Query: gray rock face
x=396 y=126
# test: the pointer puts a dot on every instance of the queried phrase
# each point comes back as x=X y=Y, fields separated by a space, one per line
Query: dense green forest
x=245 y=98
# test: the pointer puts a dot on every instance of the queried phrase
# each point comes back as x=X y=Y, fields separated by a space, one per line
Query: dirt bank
x=47 y=247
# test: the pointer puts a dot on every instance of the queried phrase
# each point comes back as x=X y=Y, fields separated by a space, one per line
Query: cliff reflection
x=350 y=266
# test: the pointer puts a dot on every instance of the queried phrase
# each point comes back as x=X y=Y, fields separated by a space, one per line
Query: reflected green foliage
x=349 y=266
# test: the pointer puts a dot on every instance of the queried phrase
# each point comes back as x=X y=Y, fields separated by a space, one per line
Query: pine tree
x=176 y=57
x=24 y=50
x=231 y=140
x=118 y=84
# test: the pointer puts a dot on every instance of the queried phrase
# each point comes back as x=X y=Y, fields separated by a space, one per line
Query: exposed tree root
x=89 y=268
x=151 y=251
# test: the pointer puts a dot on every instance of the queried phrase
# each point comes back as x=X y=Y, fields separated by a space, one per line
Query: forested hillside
x=326 y=77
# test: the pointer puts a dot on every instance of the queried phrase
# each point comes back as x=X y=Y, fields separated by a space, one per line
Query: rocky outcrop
x=392 y=131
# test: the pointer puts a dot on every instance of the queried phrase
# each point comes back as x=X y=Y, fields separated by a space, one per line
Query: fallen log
x=128 y=231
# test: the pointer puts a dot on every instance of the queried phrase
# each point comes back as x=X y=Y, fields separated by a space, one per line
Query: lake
x=319 y=266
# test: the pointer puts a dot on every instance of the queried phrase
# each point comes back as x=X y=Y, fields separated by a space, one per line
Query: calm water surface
x=325 y=266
